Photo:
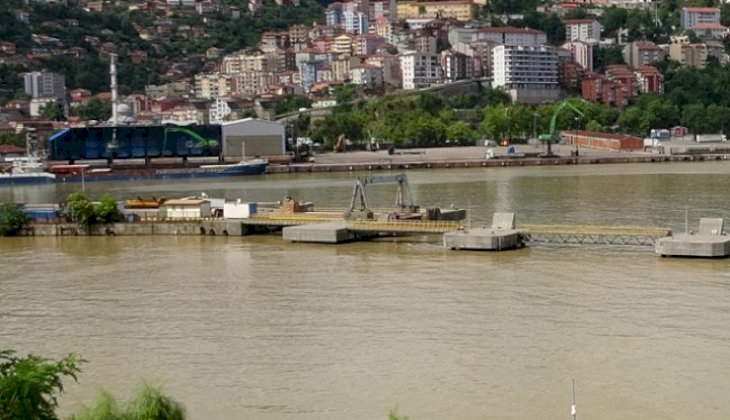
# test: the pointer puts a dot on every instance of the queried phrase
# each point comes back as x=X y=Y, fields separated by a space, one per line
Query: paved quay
x=474 y=156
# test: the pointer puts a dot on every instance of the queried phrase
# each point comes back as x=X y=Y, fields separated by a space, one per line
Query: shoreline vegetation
x=30 y=387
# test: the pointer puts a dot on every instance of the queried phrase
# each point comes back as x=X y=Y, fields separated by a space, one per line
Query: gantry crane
x=403 y=198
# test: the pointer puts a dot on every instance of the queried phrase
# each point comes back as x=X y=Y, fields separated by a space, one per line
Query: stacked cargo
x=603 y=141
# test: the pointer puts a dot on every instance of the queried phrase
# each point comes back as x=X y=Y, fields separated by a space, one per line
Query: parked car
x=490 y=143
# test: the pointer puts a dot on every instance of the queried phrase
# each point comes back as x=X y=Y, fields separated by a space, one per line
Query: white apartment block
x=690 y=17
x=420 y=70
x=586 y=30
x=529 y=74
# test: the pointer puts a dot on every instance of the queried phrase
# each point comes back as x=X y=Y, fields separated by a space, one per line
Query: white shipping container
x=238 y=210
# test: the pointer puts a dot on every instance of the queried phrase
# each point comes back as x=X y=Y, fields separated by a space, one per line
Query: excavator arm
x=551 y=136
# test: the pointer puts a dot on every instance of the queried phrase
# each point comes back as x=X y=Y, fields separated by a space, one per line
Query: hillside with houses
x=210 y=61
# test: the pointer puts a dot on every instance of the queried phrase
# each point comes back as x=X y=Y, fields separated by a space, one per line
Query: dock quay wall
x=386 y=165
x=197 y=227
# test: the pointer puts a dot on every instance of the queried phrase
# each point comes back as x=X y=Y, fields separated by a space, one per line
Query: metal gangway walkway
x=596 y=235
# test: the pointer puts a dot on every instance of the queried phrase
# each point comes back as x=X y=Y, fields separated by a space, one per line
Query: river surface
x=257 y=328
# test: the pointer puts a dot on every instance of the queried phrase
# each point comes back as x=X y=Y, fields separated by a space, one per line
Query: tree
x=80 y=209
x=29 y=385
x=12 y=220
x=51 y=111
x=106 y=211
x=93 y=109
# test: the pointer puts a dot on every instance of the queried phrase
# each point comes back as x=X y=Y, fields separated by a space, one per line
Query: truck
x=710 y=138
x=653 y=144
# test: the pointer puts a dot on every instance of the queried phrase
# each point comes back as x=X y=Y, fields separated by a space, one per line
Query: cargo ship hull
x=78 y=173
x=26 y=179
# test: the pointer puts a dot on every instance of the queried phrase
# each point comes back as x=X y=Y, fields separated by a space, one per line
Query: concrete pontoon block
x=684 y=245
x=324 y=233
x=483 y=239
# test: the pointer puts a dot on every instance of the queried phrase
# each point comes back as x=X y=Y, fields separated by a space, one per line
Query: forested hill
x=55 y=29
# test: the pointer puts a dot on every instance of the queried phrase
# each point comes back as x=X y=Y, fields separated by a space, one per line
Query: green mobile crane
x=551 y=137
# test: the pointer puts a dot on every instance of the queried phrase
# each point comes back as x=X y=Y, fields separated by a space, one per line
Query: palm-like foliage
x=29 y=385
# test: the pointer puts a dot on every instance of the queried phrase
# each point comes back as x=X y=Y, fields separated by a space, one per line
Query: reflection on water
x=257 y=328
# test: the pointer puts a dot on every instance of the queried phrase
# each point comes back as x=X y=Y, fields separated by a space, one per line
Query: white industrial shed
x=256 y=137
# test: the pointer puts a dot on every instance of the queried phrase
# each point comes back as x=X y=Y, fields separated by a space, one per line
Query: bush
x=149 y=403
x=12 y=220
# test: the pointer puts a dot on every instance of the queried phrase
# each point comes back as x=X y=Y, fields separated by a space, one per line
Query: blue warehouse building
x=133 y=142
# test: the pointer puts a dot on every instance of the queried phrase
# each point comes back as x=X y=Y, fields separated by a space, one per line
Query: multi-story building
x=463 y=10
x=355 y=22
x=586 y=30
x=420 y=70
x=717 y=49
x=253 y=82
x=308 y=73
x=599 y=88
x=690 y=17
x=45 y=84
x=642 y=53
x=424 y=42
x=333 y=14
x=711 y=30
x=298 y=35
x=367 y=44
x=691 y=55
x=273 y=40
x=529 y=74
x=343 y=44
x=455 y=66
x=212 y=85
x=368 y=76
x=649 y=80
x=508 y=35
x=390 y=63
x=582 y=53
x=570 y=75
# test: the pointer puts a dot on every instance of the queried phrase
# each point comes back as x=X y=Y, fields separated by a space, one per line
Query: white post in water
x=573 y=411
x=686 y=220
x=243 y=151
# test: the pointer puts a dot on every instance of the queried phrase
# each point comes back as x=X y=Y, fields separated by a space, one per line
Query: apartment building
x=649 y=80
x=586 y=30
x=690 y=17
x=642 y=53
x=45 y=85
x=508 y=35
x=529 y=74
x=212 y=85
x=692 y=55
x=343 y=44
x=463 y=10
x=368 y=76
x=581 y=53
x=455 y=66
x=420 y=70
